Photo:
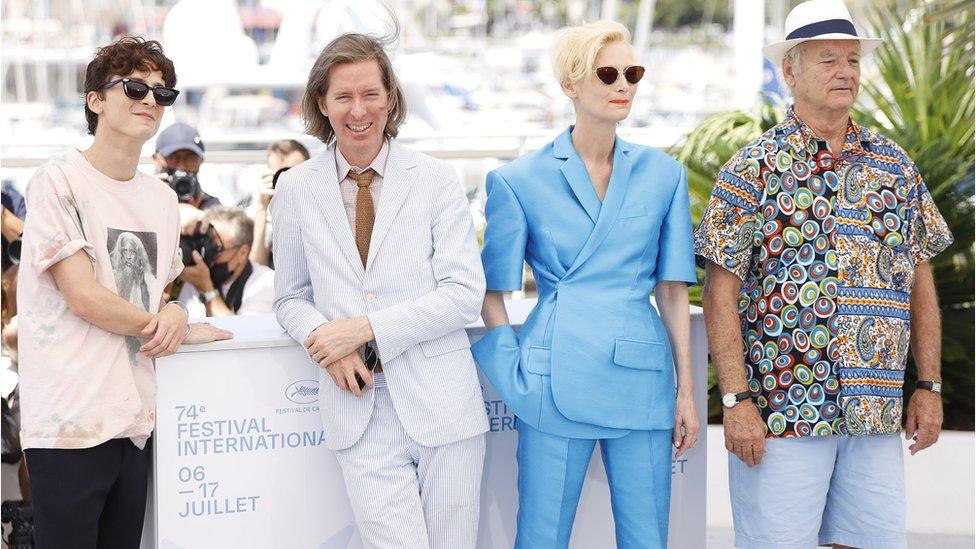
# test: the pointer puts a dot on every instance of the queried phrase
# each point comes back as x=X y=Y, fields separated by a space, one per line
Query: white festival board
x=240 y=460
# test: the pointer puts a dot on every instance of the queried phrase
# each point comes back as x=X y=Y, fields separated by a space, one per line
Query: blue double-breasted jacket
x=593 y=359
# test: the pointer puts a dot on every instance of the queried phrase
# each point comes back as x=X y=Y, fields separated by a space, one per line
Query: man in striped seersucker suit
x=377 y=275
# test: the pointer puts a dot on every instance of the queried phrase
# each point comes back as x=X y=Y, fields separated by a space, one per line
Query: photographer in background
x=12 y=225
x=282 y=155
x=178 y=157
x=220 y=279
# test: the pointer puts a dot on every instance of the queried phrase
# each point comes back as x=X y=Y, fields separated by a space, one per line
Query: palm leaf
x=922 y=97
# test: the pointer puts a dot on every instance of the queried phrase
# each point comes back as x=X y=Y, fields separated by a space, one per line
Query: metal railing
x=250 y=148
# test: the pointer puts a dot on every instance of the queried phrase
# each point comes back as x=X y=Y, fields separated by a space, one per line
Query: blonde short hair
x=575 y=49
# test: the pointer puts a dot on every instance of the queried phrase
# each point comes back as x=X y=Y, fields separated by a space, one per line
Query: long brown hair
x=351 y=48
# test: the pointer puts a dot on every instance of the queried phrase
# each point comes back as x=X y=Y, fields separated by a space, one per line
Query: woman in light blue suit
x=602 y=223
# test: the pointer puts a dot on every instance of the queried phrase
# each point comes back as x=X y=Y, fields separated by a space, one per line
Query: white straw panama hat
x=817 y=20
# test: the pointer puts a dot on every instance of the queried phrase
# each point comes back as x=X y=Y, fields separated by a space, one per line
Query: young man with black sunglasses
x=100 y=242
x=137 y=90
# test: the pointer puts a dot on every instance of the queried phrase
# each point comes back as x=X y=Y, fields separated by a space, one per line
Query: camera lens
x=13 y=251
x=207 y=244
x=184 y=184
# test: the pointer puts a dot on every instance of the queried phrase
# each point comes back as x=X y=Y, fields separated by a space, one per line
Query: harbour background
x=480 y=93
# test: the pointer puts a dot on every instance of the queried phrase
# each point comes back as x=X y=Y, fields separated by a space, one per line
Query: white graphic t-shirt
x=81 y=385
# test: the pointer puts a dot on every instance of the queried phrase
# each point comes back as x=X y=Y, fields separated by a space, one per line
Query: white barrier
x=240 y=460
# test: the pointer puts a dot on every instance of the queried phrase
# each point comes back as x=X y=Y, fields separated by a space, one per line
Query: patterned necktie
x=365 y=215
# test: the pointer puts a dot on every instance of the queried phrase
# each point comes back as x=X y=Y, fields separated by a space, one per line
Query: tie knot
x=363 y=179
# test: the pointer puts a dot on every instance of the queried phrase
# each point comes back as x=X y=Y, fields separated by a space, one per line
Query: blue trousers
x=550 y=479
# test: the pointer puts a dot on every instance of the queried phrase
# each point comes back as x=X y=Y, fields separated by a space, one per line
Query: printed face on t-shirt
x=133 y=257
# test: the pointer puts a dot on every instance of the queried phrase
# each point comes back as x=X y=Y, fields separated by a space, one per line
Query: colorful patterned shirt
x=826 y=247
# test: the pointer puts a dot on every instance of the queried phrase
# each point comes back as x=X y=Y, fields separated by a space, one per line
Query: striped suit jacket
x=422 y=284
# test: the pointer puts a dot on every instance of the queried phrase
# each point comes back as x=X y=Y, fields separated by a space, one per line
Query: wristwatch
x=208 y=296
x=934 y=386
x=729 y=400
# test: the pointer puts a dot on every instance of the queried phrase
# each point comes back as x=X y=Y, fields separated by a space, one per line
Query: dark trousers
x=89 y=498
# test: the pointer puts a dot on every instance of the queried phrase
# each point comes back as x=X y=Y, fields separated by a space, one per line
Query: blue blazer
x=593 y=358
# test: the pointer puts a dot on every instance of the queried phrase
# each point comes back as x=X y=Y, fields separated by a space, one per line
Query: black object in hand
x=277 y=174
x=371 y=360
x=207 y=243
x=185 y=184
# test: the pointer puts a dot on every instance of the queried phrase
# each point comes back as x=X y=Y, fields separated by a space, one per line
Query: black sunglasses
x=608 y=75
x=137 y=90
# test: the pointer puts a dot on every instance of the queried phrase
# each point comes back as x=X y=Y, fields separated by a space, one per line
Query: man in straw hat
x=816 y=243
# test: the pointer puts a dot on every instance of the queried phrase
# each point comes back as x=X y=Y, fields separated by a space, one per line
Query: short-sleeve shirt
x=826 y=246
x=81 y=385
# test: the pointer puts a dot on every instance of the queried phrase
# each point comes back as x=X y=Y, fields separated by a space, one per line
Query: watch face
x=728 y=400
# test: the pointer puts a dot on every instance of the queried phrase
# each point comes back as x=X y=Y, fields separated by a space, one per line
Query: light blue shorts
x=821 y=490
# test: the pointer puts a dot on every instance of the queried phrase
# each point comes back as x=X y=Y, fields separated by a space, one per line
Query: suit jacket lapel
x=401 y=171
x=612 y=202
x=324 y=185
x=576 y=175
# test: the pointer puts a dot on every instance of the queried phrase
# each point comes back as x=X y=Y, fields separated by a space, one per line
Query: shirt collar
x=378 y=164
x=799 y=134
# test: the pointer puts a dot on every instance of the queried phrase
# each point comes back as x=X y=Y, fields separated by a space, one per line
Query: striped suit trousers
x=404 y=495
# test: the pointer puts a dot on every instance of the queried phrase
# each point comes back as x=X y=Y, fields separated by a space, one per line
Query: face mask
x=219 y=274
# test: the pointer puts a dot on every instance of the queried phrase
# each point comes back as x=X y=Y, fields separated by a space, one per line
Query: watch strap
x=208 y=296
x=934 y=386
x=737 y=397
x=744 y=395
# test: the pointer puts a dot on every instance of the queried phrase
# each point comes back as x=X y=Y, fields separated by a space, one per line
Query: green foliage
x=672 y=14
x=714 y=141
x=703 y=152
x=675 y=14
x=922 y=98
x=920 y=94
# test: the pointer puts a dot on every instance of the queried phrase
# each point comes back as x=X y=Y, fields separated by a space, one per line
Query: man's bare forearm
x=218 y=307
x=114 y=314
x=259 y=249
x=926 y=325
x=720 y=305
x=12 y=226
x=93 y=302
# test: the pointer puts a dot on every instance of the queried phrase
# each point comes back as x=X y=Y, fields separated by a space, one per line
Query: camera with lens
x=12 y=250
x=207 y=243
x=21 y=520
x=184 y=183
